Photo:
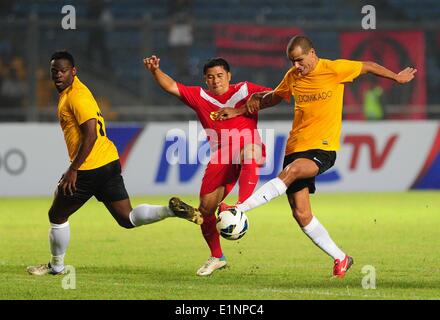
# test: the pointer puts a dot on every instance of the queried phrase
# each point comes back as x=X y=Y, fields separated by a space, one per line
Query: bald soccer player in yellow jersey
x=95 y=169
x=317 y=86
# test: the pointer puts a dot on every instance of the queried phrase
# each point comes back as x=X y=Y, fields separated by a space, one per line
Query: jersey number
x=101 y=130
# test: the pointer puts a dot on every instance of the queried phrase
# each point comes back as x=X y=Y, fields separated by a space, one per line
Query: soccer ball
x=232 y=224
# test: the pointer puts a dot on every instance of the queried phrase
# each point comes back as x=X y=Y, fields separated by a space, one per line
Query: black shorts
x=105 y=183
x=324 y=159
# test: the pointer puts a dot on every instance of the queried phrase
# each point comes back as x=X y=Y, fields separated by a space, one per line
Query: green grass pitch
x=397 y=234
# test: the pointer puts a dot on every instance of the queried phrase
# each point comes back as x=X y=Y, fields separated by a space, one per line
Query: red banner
x=395 y=51
x=254 y=46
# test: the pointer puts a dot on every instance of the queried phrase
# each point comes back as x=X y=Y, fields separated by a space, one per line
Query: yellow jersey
x=76 y=105
x=318 y=104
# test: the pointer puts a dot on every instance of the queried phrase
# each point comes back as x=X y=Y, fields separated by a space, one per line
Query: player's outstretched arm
x=255 y=102
x=163 y=80
x=262 y=100
x=404 y=76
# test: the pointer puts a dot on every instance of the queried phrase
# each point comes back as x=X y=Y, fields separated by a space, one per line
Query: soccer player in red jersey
x=236 y=147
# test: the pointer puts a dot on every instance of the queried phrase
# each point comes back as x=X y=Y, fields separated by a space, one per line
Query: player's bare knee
x=55 y=217
x=206 y=209
x=51 y=214
x=252 y=152
x=289 y=174
x=248 y=155
x=302 y=216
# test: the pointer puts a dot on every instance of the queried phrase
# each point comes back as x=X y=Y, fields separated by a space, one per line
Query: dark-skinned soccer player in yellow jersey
x=94 y=170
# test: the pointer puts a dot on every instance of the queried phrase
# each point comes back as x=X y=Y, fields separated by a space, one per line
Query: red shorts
x=219 y=174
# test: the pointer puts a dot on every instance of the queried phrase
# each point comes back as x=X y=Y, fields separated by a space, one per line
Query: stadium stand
x=132 y=29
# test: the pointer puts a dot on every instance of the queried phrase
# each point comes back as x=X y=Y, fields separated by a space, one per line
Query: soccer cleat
x=185 y=211
x=211 y=265
x=341 y=267
x=42 y=270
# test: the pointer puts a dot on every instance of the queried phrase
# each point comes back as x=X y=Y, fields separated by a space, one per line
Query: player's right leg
x=59 y=233
x=113 y=194
x=143 y=214
x=217 y=182
x=185 y=211
x=208 y=206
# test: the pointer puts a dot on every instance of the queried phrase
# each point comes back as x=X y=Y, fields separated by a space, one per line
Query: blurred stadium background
x=111 y=37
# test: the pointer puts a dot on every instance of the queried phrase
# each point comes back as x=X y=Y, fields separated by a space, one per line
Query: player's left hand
x=406 y=75
x=68 y=183
x=228 y=113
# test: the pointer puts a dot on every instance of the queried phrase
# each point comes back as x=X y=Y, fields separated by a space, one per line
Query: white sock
x=319 y=235
x=147 y=213
x=271 y=189
x=59 y=237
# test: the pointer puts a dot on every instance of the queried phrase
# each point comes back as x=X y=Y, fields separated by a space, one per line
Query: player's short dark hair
x=299 y=41
x=216 y=62
x=63 y=54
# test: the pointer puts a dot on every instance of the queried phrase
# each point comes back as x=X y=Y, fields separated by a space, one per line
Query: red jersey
x=203 y=103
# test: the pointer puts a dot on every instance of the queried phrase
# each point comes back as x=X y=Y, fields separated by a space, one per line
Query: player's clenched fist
x=152 y=63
